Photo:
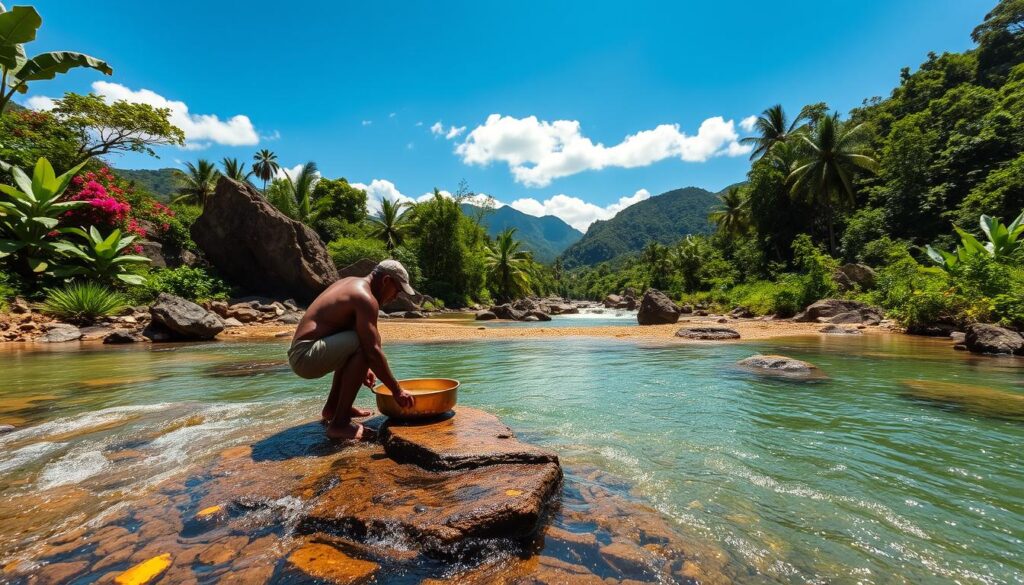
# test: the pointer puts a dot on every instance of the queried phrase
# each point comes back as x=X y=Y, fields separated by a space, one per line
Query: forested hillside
x=161 y=183
x=663 y=219
x=545 y=236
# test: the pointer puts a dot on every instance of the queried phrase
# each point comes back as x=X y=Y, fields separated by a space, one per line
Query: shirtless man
x=339 y=334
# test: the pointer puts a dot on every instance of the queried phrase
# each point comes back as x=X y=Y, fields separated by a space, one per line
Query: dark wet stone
x=121 y=336
x=185 y=319
x=656 y=309
x=708 y=333
x=485 y=316
x=983 y=338
x=837 y=330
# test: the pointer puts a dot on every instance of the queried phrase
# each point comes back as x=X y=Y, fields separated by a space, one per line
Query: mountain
x=664 y=218
x=545 y=236
x=160 y=183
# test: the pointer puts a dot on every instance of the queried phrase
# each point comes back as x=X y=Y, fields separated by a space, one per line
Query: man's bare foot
x=352 y=431
x=328 y=415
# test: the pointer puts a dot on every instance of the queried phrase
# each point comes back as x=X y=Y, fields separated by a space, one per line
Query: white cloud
x=366 y=122
x=575 y=211
x=379 y=189
x=293 y=172
x=437 y=129
x=40 y=102
x=538 y=151
x=275 y=135
x=453 y=132
x=235 y=131
x=747 y=124
x=196 y=146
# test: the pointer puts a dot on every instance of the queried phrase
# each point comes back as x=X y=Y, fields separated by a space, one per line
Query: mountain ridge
x=546 y=236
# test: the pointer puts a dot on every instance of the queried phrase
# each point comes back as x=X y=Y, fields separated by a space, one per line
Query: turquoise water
x=853 y=479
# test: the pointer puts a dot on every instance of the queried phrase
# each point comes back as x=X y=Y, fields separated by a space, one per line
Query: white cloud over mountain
x=575 y=211
x=538 y=151
x=201 y=130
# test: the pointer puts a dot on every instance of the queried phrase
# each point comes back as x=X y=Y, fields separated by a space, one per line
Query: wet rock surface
x=708 y=333
x=656 y=308
x=184 y=319
x=781 y=365
x=981 y=338
x=294 y=507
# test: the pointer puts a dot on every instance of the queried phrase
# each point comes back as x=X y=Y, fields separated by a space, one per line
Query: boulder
x=837 y=330
x=155 y=252
x=530 y=318
x=538 y=316
x=61 y=333
x=840 y=311
x=507 y=312
x=485 y=316
x=562 y=309
x=778 y=364
x=854 y=276
x=231 y=322
x=290 y=318
x=611 y=301
x=185 y=319
x=741 y=313
x=931 y=329
x=526 y=305
x=414 y=315
x=120 y=336
x=20 y=306
x=359 y=268
x=708 y=333
x=983 y=338
x=656 y=309
x=258 y=247
x=243 y=313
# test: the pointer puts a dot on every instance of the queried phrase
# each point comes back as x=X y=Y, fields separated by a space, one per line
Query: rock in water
x=506 y=311
x=982 y=338
x=61 y=333
x=837 y=330
x=485 y=316
x=258 y=247
x=708 y=333
x=779 y=364
x=185 y=319
x=656 y=309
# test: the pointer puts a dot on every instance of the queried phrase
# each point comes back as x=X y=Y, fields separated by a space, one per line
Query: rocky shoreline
x=457 y=500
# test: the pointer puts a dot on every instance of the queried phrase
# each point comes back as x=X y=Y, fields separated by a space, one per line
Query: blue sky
x=357 y=87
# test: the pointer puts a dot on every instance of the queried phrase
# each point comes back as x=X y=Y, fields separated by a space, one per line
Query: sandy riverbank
x=460 y=330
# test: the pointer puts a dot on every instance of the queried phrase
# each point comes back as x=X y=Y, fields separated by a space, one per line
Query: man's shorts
x=315 y=358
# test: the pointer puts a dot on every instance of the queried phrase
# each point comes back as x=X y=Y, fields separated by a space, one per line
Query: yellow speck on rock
x=207 y=512
x=145 y=571
x=513 y=493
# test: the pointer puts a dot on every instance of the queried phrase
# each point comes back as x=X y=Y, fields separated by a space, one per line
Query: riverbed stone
x=538 y=316
x=507 y=311
x=185 y=319
x=840 y=311
x=119 y=336
x=61 y=333
x=708 y=333
x=977 y=400
x=485 y=316
x=832 y=329
x=469 y=438
x=780 y=365
x=323 y=561
x=656 y=309
x=983 y=338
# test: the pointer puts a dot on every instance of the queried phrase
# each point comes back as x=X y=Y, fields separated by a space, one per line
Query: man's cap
x=395 y=270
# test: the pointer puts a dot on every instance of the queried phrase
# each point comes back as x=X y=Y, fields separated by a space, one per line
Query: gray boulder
x=506 y=311
x=851 y=276
x=526 y=305
x=656 y=309
x=983 y=338
x=777 y=364
x=708 y=333
x=290 y=318
x=530 y=318
x=414 y=315
x=611 y=301
x=185 y=319
x=840 y=311
x=61 y=333
x=485 y=316
x=538 y=315
x=837 y=330
x=120 y=336
x=258 y=247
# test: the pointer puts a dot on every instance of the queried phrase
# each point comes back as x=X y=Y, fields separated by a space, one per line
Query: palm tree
x=198 y=183
x=733 y=216
x=833 y=153
x=390 y=224
x=773 y=129
x=235 y=169
x=265 y=166
x=301 y=187
x=508 y=267
x=656 y=257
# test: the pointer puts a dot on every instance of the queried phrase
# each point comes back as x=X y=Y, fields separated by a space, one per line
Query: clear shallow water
x=846 y=480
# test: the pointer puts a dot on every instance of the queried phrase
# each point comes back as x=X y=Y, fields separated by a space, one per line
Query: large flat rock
x=469 y=439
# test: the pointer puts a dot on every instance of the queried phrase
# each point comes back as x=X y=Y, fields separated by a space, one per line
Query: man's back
x=335 y=309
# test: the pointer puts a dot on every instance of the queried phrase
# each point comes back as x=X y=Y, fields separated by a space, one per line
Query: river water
x=903 y=466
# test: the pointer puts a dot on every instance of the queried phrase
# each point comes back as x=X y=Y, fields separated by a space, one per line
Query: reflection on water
x=855 y=478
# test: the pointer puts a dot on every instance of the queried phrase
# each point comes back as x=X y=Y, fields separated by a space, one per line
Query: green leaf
x=132 y=279
x=49 y=65
x=12 y=57
x=37 y=265
x=47 y=222
x=19 y=25
x=970 y=243
x=129 y=258
x=23 y=182
x=14 y=192
x=64 y=180
x=8 y=247
x=44 y=180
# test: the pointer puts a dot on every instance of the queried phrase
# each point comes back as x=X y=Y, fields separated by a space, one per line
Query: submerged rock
x=325 y=562
x=982 y=338
x=979 y=400
x=185 y=319
x=780 y=364
x=258 y=247
x=708 y=333
x=485 y=316
x=656 y=309
x=119 y=336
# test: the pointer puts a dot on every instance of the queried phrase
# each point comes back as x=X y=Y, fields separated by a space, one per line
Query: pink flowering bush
x=113 y=204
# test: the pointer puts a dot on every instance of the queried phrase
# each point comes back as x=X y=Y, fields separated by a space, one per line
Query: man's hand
x=370 y=380
x=404 y=399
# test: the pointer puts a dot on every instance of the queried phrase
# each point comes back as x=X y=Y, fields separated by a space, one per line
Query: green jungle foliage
x=196 y=284
x=82 y=302
x=162 y=184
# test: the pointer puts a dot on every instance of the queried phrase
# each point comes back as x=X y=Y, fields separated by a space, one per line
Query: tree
x=834 y=153
x=772 y=128
x=391 y=223
x=198 y=183
x=118 y=127
x=279 y=194
x=733 y=217
x=337 y=198
x=17 y=27
x=508 y=267
x=301 y=187
x=235 y=169
x=265 y=166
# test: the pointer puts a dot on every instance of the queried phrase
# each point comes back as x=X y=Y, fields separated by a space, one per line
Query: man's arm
x=369 y=340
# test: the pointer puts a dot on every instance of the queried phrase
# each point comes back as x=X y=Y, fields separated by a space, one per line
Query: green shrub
x=179 y=228
x=816 y=282
x=82 y=302
x=348 y=250
x=194 y=284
